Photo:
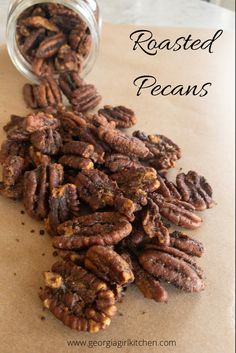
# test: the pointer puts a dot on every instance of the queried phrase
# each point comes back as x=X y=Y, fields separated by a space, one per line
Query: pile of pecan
x=105 y=196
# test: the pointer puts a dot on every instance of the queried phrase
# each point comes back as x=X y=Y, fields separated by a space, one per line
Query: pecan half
x=76 y=162
x=12 y=148
x=40 y=22
x=106 y=264
x=78 y=298
x=153 y=225
x=175 y=267
x=40 y=121
x=63 y=205
x=79 y=148
x=15 y=129
x=85 y=98
x=178 y=212
x=81 y=42
x=13 y=169
x=163 y=152
x=38 y=184
x=47 y=141
x=67 y=60
x=186 y=244
x=106 y=228
x=69 y=82
x=195 y=190
x=168 y=189
x=122 y=143
x=37 y=158
x=122 y=116
x=50 y=46
x=32 y=41
x=117 y=162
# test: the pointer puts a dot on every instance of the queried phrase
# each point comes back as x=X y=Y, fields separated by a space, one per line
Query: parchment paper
x=203 y=127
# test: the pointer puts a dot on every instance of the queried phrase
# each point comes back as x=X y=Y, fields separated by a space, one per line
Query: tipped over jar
x=48 y=37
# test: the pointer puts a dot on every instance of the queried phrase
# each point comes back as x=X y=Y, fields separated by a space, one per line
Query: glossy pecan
x=46 y=141
x=195 y=190
x=50 y=46
x=78 y=298
x=178 y=212
x=122 y=143
x=120 y=115
x=175 y=267
x=153 y=225
x=116 y=162
x=38 y=184
x=163 y=152
x=105 y=228
x=63 y=205
x=106 y=264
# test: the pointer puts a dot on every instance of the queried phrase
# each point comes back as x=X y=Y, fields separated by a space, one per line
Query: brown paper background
x=203 y=127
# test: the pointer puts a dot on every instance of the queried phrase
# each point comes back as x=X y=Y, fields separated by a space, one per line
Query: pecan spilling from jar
x=106 y=264
x=81 y=42
x=147 y=284
x=78 y=298
x=136 y=183
x=47 y=141
x=50 y=46
x=153 y=225
x=69 y=82
x=106 y=228
x=122 y=143
x=67 y=60
x=195 y=190
x=63 y=205
x=121 y=116
x=178 y=212
x=38 y=184
x=85 y=98
x=117 y=162
x=163 y=152
x=175 y=267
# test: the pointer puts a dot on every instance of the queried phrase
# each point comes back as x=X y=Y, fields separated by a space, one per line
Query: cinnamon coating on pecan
x=79 y=148
x=78 y=298
x=186 y=244
x=195 y=190
x=15 y=129
x=76 y=162
x=47 y=141
x=36 y=158
x=13 y=169
x=116 y=162
x=105 y=228
x=85 y=98
x=168 y=189
x=106 y=264
x=121 y=116
x=40 y=121
x=11 y=148
x=14 y=192
x=175 y=267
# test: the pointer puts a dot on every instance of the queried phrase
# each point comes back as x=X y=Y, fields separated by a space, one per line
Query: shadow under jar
x=53 y=36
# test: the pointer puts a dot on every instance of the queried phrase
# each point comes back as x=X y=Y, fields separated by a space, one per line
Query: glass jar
x=87 y=10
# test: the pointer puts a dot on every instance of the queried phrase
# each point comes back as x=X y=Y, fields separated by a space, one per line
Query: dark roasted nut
x=81 y=42
x=136 y=183
x=117 y=162
x=66 y=18
x=98 y=190
x=147 y=284
x=12 y=148
x=195 y=190
x=85 y=98
x=77 y=257
x=122 y=116
x=136 y=239
x=36 y=158
x=63 y=205
x=29 y=96
x=76 y=162
x=168 y=189
x=69 y=82
x=106 y=228
x=175 y=267
x=40 y=22
x=38 y=184
x=50 y=46
x=153 y=225
x=46 y=141
x=32 y=41
x=163 y=152
x=186 y=244
x=15 y=120
x=99 y=120
x=13 y=168
x=42 y=67
x=78 y=298
x=79 y=148
x=67 y=60
x=106 y=264
x=71 y=123
x=15 y=129
x=14 y=192
x=122 y=143
x=40 y=121
x=178 y=212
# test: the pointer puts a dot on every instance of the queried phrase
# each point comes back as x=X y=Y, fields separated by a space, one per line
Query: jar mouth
x=77 y=6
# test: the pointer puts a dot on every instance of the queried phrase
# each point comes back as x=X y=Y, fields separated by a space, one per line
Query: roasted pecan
x=136 y=238
x=40 y=121
x=117 y=162
x=147 y=284
x=175 y=267
x=153 y=225
x=85 y=98
x=66 y=19
x=122 y=116
x=38 y=184
x=63 y=205
x=69 y=82
x=98 y=190
x=163 y=152
x=13 y=169
x=71 y=124
x=40 y=22
x=186 y=244
x=195 y=190
x=81 y=41
x=106 y=264
x=46 y=141
x=178 y=212
x=67 y=60
x=15 y=129
x=79 y=148
x=32 y=41
x=14 y=192
x=122 y=143
x=76 y=162
x=168 y=189
x=12 y=148
x=136 y=183
x=36 y=158
x=78 y=298
x=106 y=228
x=99 y=120
x=50 y=46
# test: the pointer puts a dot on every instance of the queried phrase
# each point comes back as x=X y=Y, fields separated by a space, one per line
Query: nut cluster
x=105 y=196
